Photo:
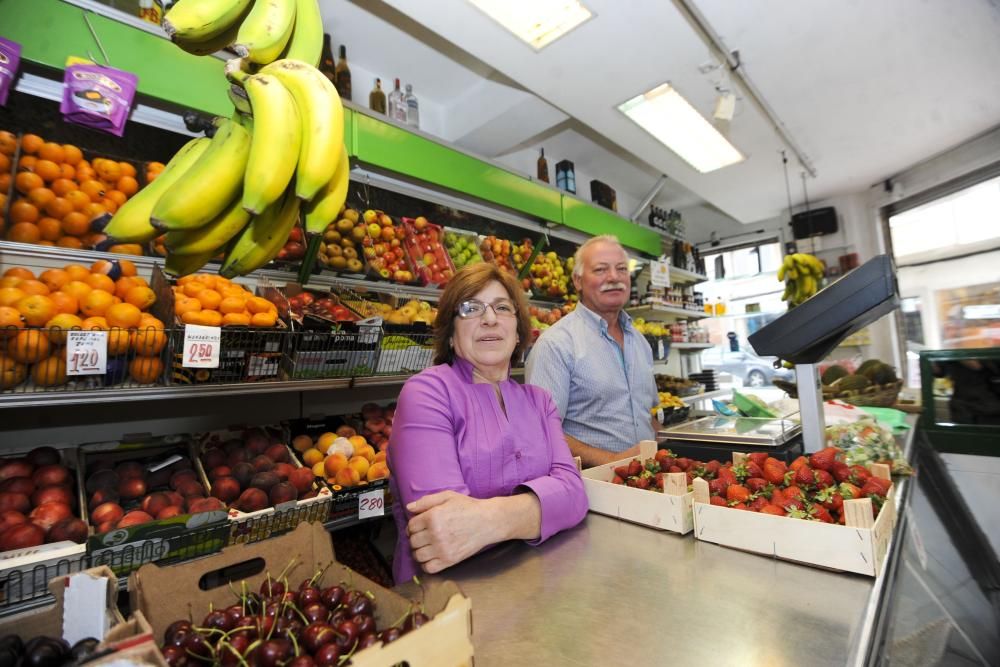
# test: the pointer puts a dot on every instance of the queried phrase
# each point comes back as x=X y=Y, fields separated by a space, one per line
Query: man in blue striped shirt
x=596 y=365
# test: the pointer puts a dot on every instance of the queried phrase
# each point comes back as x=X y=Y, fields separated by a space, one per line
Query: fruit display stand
x=670 y=510
x=858 y=546
x=424 y=244
x=166 y=594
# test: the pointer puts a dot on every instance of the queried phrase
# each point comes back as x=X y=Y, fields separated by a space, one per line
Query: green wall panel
x=393 y=148
x=51 y=30
x=594 y=220
x=349 y=140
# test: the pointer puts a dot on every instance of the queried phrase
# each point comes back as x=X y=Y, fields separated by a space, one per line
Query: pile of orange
x=8 y=145
x=214 y=301
x=37 y=311
x=153 y=169
x=59 y=193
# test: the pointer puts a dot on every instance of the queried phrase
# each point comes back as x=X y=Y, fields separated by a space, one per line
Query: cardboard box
x=859 y=548
x=166 y=594
x=670 y=510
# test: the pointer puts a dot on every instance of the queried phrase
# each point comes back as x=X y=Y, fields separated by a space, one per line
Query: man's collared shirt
x=604 y=392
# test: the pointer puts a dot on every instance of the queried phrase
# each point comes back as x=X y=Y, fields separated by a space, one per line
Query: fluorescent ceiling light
x=665 y=114
x=537 y=22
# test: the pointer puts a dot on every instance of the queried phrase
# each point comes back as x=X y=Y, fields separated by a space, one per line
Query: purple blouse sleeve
x=560 y=493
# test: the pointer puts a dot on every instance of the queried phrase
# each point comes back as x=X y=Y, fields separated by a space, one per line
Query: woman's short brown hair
x=465 y=285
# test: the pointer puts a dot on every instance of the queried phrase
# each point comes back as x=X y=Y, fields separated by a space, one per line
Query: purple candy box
x=98 y=97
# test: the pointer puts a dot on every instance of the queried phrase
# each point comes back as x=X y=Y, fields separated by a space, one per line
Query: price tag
x=201 y=346
x=86 y=352
x=659 y=274
x=371 y=504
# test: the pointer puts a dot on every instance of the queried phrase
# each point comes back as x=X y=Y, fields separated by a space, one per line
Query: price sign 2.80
x=371 y=504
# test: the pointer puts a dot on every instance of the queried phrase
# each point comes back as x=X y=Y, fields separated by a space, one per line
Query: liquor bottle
x=543 y=167
x=343 y=75
x=412 y=107
x=397 y=105
x=376 y=98
x=327 y=65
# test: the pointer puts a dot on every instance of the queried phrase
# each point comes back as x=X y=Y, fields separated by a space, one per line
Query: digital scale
x=804 y=335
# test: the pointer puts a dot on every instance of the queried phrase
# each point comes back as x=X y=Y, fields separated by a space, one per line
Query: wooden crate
x=860 y=546
x=670 y=510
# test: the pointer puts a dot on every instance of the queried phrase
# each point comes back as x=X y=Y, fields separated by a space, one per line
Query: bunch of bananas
x=280 y=155
x=802 y=275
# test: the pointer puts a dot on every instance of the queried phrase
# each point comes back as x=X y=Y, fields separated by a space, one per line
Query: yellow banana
x=181 y=265
x=214 y=235
x=274 y=147
x=209 y=46
x=266 y=30
x=325 y=206
x=263 y=238
x=322 y=115
x=200 y=20
x=306 y=43
x=131 y=223
x=205 y=190
x=238 y=97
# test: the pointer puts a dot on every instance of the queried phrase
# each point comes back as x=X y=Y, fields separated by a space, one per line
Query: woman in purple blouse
x=476 y=457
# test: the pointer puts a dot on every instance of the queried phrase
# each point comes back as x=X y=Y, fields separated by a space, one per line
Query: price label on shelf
x=86 y=352
x=659 y=274
x=371 y=504
x=201 y=346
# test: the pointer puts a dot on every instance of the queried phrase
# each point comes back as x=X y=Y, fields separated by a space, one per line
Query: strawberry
x=804 y=476
x=772 y=509
x=754 y=469
x=617 y=479
x=849 y=491
x=820 y=513
x=718 y=500
x=727 y=475
x=632 y=481
x=793 y=503
x=652 y=466
x=712 y=468
x=799 y=462
x=690 y=477
x=659 y=480
x=759 y=458
x=883 y=483
x=859 y=475
x=830 y=498
x=824 y=479
x=824 y=458
x=634 y=468
x=758 y=503
x=717 y=487
x=674 y=468
x=777 y=497
x=794 y=492
x=872 y=488
x=741 y=472
x=622 y=471
x=643 y=482
x=840 y=471
x=774 y=471
x=683 y=463
x=664 y=457
x=737 y=493
x=757 y=484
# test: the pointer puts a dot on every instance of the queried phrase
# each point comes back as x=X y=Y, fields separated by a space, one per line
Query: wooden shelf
x=655 y=310
x=691 y=346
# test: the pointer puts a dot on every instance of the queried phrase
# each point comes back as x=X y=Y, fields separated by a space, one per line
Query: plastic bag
x=10 y=58
x=98 y=97
x=867 y=441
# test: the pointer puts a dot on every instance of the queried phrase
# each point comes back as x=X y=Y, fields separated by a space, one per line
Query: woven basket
x=883 y=396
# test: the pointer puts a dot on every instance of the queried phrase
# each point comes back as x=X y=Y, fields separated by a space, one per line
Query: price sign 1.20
x=201 y=346
x=86 y=352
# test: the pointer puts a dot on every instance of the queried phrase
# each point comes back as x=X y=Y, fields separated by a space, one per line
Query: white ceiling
x=867 y=89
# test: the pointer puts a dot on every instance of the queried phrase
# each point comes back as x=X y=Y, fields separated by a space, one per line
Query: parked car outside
x=746 y=366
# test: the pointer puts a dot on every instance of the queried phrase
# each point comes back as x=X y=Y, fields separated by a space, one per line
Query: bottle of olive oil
x=343 y=75
x=376 y=98
x=327 y=65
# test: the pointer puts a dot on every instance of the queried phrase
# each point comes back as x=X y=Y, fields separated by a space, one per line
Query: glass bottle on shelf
x=412 y=107
x=397 y=106
x=343 y=75
x=376 y=98
x=327 y=65
x=720 y=307
x=543 y=167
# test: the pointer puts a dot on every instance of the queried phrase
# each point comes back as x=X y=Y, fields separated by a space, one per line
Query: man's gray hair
x=578 y=256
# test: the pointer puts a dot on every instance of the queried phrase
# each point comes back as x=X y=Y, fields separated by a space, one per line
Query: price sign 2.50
x=201 y=346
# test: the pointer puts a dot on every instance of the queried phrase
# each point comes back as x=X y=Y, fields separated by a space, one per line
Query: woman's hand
x=446 y=528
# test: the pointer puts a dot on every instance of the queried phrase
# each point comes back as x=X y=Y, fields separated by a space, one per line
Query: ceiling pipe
x=724 y=54
x=649 y=197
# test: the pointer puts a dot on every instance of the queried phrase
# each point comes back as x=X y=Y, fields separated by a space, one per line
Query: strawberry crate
x=859 y=546
x=424 y=244
x=669 y=510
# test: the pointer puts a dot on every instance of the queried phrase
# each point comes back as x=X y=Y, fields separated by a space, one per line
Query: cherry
x=360 y=605
x=338 y=617
x=302 y=661
x=414 y=621
x=173 y=628
x=347 y=633
x=389 y=635
x=365 y=623
x=309 y=595
x=271 y=588
x=198 y=646
x=232 y=651
x=175 y=656
x=272 y=652
x=366 y=640
x=328 y=655
x=179 y=637
x=316 y=612
x=235 y=615
x=332 y=597
x=316 y=635
x=217 y=620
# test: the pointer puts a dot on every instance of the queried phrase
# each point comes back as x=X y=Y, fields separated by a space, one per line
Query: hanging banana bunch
x=281 y=152
x=802 y=275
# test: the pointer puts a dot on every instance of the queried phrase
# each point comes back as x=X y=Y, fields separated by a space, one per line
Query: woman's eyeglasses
x=472 y=308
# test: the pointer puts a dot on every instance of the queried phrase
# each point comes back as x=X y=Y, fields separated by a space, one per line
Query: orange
x=54 y=279
x=30 y=143
x=98 y=323
x=127 y=169
x=240 y=319
x=62 y=186
x=79 y=200
x=10 y=281
x=50 y=230
x=77 y=271
x=192 y=288
x=148 y=342
x=264 y=319
x=19 y=272
x=48 y=170
x=10 y=319
x=192 y=316
x=76 y=289
x=232 y=305
x=50 y=372
x=65 y=303
x=93 y=210
x=84 y=172
x=4 y=163
x=71 y=154
x=10 y=295
x=8 y=142
x=117 y=196
x=209 y=299
x=23 y=211
x=108 y=170
x=210 y=318
x=110 y=205
x=60 y=324
x=145 y=370
x=257 y=304
x=127 y=185
x=50 y=150
x=75 y=224
x=5 y=180
x=11 y=372
x=41 y=196
x=70 y=242
x=33 y=286
x=26 y=163
x=29 y=346
x=67 y=171
x=36 y=309
x=118 y=341
x=123 y=315
x=47 y=244
x=122 y=285
x=153 y=166
x=143 y=297
x=128 y=268
x=93 y=189
x=127 y=249
x=92 y=239
x=96 y=303
x=101 y=282
x=26 y=181
x=147 y=321
x=185 y=304
x=59 y=208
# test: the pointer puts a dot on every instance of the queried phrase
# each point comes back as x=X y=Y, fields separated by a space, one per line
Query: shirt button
x=517 y=455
